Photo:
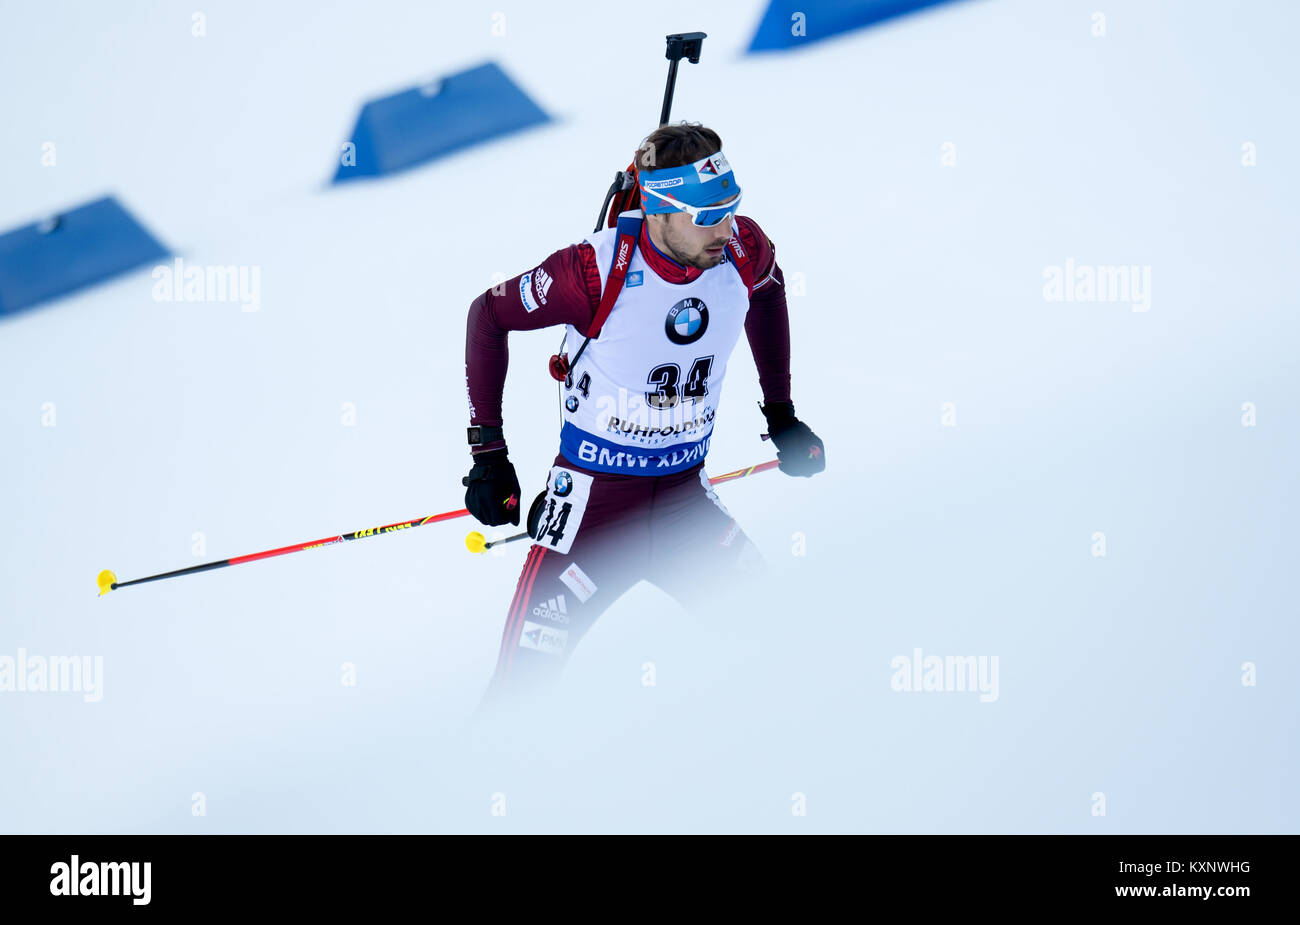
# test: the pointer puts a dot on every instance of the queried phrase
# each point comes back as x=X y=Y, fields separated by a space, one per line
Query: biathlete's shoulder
x=575 y=274
x=758 y=248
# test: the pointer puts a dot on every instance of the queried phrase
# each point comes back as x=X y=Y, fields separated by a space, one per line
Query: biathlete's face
x=688 y=243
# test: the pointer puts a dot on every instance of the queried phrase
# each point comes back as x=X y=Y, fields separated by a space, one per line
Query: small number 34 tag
x=567 y=494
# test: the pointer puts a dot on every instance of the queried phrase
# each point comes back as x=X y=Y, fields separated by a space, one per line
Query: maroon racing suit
x=668 y=529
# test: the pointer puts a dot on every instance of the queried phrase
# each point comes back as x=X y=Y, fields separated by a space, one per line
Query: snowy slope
x=924 y=285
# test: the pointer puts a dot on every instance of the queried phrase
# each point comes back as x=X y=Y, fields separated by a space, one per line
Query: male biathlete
x=627 y=498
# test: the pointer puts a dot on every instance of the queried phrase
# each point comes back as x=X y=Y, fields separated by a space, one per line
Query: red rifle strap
x=629 y=230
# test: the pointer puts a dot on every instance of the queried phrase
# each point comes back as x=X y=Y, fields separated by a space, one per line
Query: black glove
x=798 y=449
x=492 y=492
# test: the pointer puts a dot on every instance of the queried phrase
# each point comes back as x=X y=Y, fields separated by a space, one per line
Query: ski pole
x=107 y=581
x=741 y=473
x=477 y=542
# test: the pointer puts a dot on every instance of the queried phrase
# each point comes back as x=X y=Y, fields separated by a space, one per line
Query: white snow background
x=1118 y=675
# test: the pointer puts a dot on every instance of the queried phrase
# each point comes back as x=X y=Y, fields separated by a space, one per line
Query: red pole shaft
x=376 y=531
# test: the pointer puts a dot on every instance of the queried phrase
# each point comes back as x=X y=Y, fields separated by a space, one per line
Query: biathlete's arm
x=564 y=289
x=767 y=324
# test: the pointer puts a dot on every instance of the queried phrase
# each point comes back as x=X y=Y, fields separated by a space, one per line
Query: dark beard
x=706 y=264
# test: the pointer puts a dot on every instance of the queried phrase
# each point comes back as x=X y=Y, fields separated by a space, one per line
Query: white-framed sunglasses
x=704 y=216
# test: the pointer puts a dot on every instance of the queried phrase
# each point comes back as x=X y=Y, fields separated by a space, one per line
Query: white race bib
x=567 y=493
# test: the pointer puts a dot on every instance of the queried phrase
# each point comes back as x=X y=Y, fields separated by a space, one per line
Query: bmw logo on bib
x=687 y=321
x=563 y=484
x=571 y=403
